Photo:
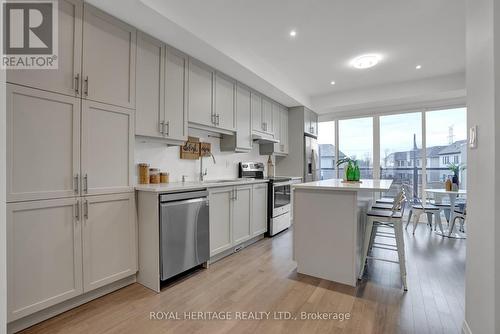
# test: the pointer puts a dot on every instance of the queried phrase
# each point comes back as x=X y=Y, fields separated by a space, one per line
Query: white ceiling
x=255 y=35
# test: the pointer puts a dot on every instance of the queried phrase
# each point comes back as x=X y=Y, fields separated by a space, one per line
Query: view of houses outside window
x=327 y=151
x=401 y=153
x=401 y=150
x=356 y=142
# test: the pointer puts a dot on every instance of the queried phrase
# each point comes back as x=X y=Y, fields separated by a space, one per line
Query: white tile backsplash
x=166 y=158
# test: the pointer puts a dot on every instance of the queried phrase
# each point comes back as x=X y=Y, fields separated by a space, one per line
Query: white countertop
x=179 y=186
x=337 y=184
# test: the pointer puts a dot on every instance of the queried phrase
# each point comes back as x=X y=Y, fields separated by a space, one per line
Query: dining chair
x=417 y=208
x=393 y=219
x=460 y=213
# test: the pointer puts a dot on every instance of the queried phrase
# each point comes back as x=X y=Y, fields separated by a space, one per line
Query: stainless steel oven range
x=279 y=198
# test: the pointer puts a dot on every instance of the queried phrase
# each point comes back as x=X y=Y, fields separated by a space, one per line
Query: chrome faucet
x=203 y=173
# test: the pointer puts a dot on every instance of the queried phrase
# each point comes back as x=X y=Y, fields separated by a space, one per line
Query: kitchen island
x=329 y=219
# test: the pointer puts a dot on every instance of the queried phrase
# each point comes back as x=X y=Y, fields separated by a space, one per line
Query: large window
x=446 y=141
x=356 y=142
x=401 y=150
x=327 y=150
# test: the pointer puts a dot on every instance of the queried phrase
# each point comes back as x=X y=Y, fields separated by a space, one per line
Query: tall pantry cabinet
x=71 y=224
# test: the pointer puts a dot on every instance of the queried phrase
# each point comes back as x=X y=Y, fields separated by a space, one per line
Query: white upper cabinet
x=242 y=214
x=66 y=78
x=283 y=130
x=276 y=120
x=310 y=122
x=257 y=122
x=109 y=237
x=200 y=106
x=107 y=148
x=243 y=118
x=176 y=95
x=267 y=115
x=43 y=144
x=314 y=123
x=259 y=209
x=44 y=255
x=109 y=54
x=224 y=102
x=149 y=115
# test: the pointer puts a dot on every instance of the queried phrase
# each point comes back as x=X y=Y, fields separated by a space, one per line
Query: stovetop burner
x=278 y=178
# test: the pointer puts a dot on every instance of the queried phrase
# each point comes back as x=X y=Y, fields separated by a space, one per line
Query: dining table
x=453 y=195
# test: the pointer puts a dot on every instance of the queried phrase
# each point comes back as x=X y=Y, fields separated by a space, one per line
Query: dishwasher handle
x=171 y=197
x=187 y=201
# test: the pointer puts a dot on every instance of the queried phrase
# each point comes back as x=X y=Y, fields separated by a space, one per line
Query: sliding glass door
x=401 y=150
x=356 y=142
x=327 y=150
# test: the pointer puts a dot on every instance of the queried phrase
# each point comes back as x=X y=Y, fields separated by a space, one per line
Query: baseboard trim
x=466 y=328
x=35 y=318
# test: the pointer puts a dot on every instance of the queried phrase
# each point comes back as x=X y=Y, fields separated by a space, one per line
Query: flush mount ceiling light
x=332 y=82
x=293 y=33
x=365 y=61
x=418 y=67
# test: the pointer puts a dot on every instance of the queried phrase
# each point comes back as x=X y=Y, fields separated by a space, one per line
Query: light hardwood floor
x=263 y=278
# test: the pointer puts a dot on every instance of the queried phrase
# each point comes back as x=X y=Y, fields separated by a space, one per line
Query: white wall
x=167 y=159
x=483 y=103
x=3 y=192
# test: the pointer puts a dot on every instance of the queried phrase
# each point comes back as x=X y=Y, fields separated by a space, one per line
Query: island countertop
x=337 y=184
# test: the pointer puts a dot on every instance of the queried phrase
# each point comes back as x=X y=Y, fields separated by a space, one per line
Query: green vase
x=350 y=172
x=357 y=173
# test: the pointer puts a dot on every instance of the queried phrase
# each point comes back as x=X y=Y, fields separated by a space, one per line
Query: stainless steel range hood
x=264 y=139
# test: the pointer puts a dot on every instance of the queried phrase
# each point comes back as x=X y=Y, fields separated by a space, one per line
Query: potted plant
x=351 y=171
x=455 y=168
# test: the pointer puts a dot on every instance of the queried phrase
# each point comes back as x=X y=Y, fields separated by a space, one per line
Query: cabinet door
x=44 y=255
x=283 y=130
x=314 y=123
x=109 y=237
x=257 y=121
x=259 y=209
x=107 y=148
x=176 y=95
x=267 y=115
x=224 y=102
x=200 y=93
x=242 y=214
x=149 y=113
x=43 y=144
x=307 y=121
x=109 y=51
x=276 y=121
x=66 y=78
x=221 y=213
x=243 y=118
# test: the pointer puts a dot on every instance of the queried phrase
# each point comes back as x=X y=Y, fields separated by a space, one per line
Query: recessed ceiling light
x=365 y=61
x=332 y=82
x=293 y=33
x=418 y=67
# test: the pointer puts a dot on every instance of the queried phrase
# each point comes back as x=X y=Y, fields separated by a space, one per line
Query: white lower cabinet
x=220 y=218
x=236 y=215
x=242 y=214
x=44 y=255
x=259 y=209
x=109 y=239
x=58 y=249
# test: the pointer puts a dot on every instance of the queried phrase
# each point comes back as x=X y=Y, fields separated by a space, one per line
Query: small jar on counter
x=164 y=177
x=143 y=173
x=154 y=175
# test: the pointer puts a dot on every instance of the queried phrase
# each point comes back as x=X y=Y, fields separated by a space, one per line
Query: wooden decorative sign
x=191 y=149
x=205 y=149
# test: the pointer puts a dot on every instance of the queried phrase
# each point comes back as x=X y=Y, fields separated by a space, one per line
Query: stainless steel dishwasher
x=184 y=232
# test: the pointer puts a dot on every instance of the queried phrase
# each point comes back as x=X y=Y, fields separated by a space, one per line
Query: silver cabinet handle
x=161 y=125
x=77 y=83
x=86 y=210
x=213 y=119
x=76 y=180
x=77 y=210
x=264 y=126
x=86 y=92
x=235 y=194
x=167 y=125
x=85 y=183
x=217 y=117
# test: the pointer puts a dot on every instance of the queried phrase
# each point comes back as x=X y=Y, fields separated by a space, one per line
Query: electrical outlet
x=473 y=137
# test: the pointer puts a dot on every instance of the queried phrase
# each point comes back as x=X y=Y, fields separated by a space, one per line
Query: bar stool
x=392 y=218
x=460 y=213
